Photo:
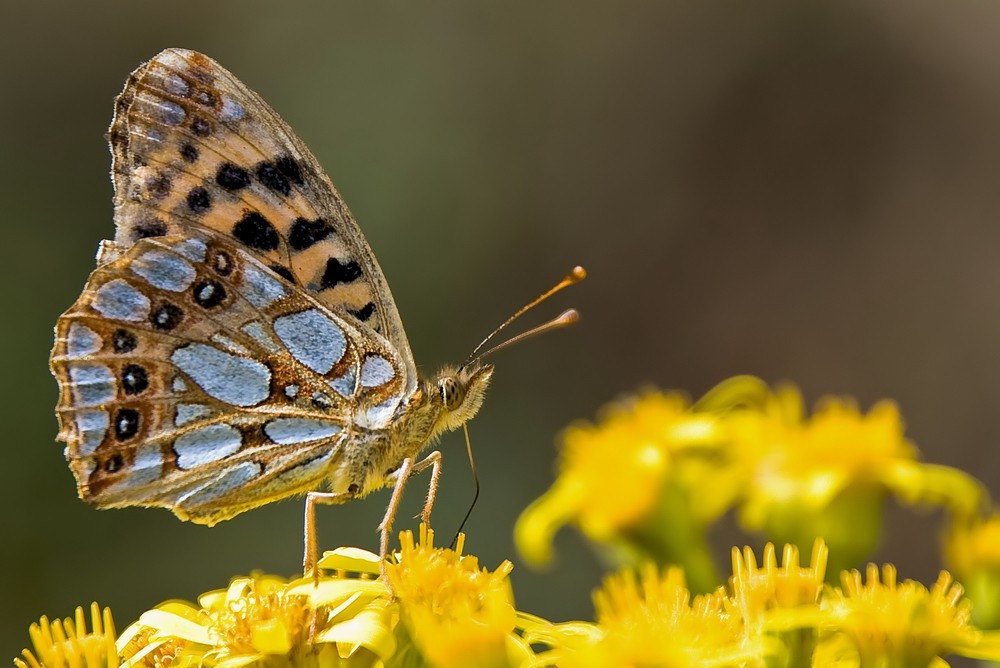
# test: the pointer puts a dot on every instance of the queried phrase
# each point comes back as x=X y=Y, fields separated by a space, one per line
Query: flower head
x=771 y=594
x=893 y=623
x=67 y=644
x=824 y=475
x=649 y=619
x=455 y=612
x=262 y=619
x=972 y=552
x=615 y=475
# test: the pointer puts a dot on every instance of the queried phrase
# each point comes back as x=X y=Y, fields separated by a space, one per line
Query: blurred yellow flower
x=649 y=462
x=455 y=613
x=67 y=644
x=887 y=623
x=810 y=460
x=827 y=475
x=972 y=552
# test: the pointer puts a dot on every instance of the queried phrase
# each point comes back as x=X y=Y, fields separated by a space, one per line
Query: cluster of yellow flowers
x=444 y=610
x=648 y=480
x=644 y=483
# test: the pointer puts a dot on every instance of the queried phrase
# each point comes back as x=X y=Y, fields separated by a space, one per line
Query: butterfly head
x=459 y=393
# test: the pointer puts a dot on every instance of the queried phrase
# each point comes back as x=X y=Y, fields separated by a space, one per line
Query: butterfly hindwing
x=194 y=149
x=196 y=378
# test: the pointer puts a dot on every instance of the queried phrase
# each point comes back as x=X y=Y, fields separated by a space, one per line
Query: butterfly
x=237 y=343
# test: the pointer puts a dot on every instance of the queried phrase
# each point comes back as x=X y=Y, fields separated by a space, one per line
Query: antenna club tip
x=578 y=273
x=568 y=317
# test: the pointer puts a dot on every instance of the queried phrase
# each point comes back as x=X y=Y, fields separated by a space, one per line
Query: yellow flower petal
x=371 y=628
x=352 y=560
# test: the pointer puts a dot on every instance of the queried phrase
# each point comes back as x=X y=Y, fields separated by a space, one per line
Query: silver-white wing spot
x=379 y=415
x=164 y=270
x=93 y=384
x=231 y=110
x=376 y=370
x=232 y=479
x=92 y=426
x=259 y=288
x=312 y=338
x=192 y=249
x=118 y=300
x=235 y=380
x=346 y=384
x=189 y=413
x=206 y=445
x=81 y=341
x=286 y=431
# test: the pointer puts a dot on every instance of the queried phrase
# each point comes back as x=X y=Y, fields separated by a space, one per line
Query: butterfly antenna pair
x=565 y=318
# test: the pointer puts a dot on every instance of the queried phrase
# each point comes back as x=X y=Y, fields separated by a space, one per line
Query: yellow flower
x=647 y=456
x=811 y=460
x=770 y=592
x=972 y=552
x=901 y=624
x=455 y=612
x=781 y=602
x=827 y=475
x=649 y=619
x=264 y=620
x=67 y=644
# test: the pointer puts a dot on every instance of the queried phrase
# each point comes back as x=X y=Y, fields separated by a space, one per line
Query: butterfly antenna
x=566 y=318
x=475 y=477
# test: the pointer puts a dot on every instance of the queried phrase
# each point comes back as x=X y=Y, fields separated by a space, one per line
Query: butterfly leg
x=401 y=475
x=310 y=553
x=434 y=461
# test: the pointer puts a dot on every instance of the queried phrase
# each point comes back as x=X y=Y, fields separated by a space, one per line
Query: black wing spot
x=114 y=463
x=134 y=379
x=284 y=272
x=305 y=233
x=126 y=423
x=339 y=272
x=166 y=317
x=208 y=294
x=206 y=98
x=232 y=177
x=290 y=169
x=201 y=127
x=189 y=153
x=153 y=227
x=269 y=175
x=256 y=232
x=123 y=341
x=159 y=186
x=221 y=262
x=364 y=313
x=198 y=200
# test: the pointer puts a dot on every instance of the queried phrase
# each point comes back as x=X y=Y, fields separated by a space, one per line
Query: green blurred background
x=800 y=190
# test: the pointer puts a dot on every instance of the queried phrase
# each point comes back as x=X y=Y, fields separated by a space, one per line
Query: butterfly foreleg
x=400 y=476
x=310 y=554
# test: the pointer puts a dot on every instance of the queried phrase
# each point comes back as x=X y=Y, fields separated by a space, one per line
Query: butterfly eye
x=451 y=393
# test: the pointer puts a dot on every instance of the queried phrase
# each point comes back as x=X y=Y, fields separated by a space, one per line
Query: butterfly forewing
x=195 y=149
x=196 y=378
